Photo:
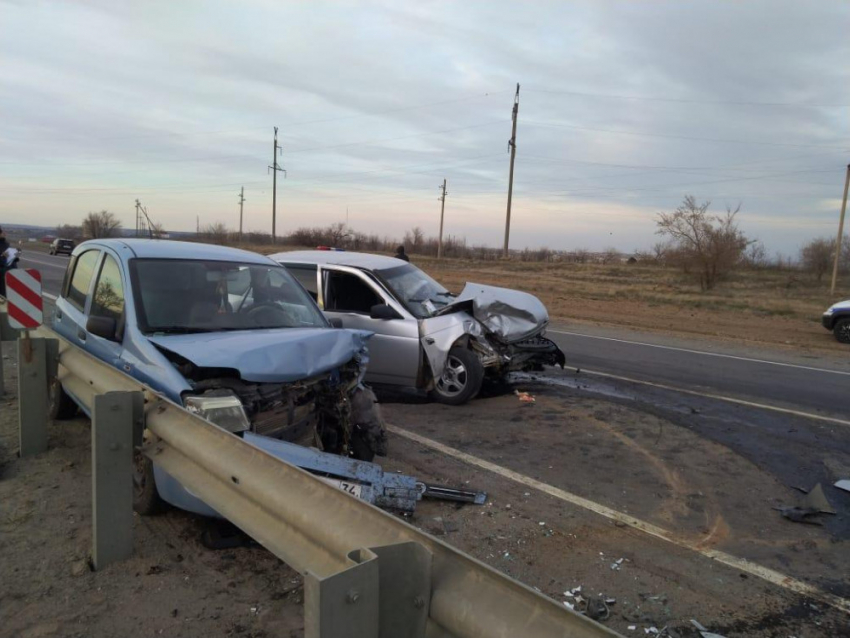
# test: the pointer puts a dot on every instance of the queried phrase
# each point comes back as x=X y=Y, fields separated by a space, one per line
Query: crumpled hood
x=511 y=315
x=270 y=356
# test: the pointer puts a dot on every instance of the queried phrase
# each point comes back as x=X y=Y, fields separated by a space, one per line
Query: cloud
x=624 y=108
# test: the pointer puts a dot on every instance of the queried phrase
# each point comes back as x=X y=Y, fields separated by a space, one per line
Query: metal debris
x=817 y=500
x=799 y=514
x=704 y=632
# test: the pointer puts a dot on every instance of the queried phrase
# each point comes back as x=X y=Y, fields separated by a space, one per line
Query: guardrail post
x=385 y=593
x=113 y=421
x=32 y=395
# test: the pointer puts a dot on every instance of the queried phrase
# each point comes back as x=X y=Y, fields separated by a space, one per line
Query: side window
x=81 y=278
x=306 y=276
x=349 y=293
x=108 y=298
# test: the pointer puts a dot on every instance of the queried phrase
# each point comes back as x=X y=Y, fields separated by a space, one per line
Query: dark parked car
x=62 y=247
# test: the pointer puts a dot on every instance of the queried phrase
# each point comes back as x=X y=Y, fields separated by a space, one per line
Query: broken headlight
x=225 y=411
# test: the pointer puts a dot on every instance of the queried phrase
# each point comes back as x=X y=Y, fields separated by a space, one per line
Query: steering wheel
x=269 y=314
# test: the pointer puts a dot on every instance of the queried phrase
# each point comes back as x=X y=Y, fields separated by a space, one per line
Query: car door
x=71 y=308
x=348 y=294
x=107 y=300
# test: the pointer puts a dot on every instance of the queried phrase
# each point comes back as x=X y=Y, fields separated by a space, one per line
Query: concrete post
x=32 y=396
x=113 y=420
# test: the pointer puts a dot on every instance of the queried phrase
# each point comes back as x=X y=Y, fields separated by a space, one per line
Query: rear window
x=81 y=279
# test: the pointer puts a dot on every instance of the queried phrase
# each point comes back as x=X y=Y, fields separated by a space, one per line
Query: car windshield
x=180 y=296
x=420 y=294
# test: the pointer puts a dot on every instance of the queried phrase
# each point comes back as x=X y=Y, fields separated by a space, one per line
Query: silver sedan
x=425 y=336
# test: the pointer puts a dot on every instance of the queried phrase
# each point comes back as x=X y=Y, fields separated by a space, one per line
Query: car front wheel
x=461 y=378
x=146 y=498
x=841 y=330
x=60 y=407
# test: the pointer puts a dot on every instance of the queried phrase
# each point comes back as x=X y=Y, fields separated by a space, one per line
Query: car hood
x=841 y=305
x=270 y=356
x=511 y=315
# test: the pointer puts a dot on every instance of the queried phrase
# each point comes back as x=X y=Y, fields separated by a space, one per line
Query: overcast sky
x=625 y=107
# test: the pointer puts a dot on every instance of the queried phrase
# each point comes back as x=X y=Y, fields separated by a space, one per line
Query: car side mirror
x=104 y=327
x=383 y=311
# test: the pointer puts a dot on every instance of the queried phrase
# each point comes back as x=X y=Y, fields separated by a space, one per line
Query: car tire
x=60 y=407
x=146 y=498
x=841 y=329
x=461 y=379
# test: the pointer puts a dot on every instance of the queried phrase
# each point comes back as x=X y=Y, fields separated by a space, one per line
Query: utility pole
x=138 y=217
x=197 y=224
x=274 y=168
x=241 y=202
x=512 y=144
x=840 y=233
x=442 y=199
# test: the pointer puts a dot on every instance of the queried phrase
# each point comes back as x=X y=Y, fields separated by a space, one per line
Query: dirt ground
x=631 y=457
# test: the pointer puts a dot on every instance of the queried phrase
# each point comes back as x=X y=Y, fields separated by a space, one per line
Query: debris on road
x=524 y=397
x=843 y=484
x=799 y=514
x=816 y=499
x=705 y=633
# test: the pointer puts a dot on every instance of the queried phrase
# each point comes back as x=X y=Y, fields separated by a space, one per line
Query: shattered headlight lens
x=225 y=411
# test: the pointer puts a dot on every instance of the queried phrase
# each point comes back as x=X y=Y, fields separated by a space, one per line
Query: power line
x=684 y=100
x=393 y=139
x=677 y=137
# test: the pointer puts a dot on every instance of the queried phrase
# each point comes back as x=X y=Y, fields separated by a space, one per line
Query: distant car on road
x=837 y=319
x=226 y=333
x=62 y=246
x=426 y=337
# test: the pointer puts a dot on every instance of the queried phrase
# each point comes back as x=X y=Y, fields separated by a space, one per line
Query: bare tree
x=102 y=224
x=610 y=256
x=712 y=245
x=415 y=238
x=68 y=231
x=818 y=255
x=756 y=255
x=338 y=234
x=215 y=233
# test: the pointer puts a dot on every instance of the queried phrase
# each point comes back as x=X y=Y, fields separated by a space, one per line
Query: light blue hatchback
x=227 y=333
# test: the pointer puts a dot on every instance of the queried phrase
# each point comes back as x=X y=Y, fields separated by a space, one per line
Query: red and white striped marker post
x=25 y=307
x=23 y=292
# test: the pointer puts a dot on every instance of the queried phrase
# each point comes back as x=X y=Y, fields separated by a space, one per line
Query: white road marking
x=702 y=352
x=720 y=397
x=44 y=263
x=765 y=573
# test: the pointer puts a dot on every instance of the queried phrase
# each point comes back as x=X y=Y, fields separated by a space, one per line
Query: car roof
x=168 y=249
x=365 y=261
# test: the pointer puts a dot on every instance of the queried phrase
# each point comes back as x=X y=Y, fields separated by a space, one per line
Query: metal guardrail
x=367 y=573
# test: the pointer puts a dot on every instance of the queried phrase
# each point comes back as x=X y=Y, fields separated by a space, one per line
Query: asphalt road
x=817 y=386
x=813 y=385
